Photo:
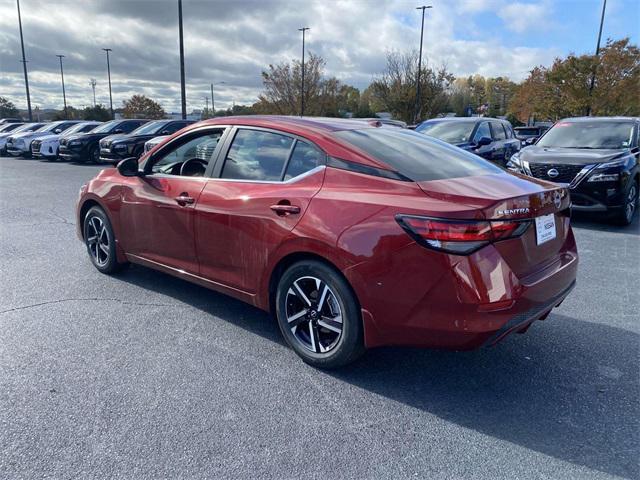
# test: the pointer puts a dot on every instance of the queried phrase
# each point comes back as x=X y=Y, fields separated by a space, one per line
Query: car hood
x=569 y=156
x=85 y=136
x=29 y=135
x=47 y=138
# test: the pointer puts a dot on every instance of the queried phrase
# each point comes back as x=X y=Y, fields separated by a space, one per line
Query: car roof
x=318 y=124
x=317 y=129
x=600 y=119
x=465 y=119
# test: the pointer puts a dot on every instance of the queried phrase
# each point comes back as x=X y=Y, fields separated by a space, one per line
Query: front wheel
x=628 y=210
x=94 y=154
x=101 y=241
x=319 y=315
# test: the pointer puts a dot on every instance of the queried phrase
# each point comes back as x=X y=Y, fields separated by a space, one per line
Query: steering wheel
x=194 y=167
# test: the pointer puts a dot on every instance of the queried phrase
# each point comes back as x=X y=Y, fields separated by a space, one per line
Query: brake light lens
x=461 y=237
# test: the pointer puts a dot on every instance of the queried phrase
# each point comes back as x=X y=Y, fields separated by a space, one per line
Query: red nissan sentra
x=354 y=234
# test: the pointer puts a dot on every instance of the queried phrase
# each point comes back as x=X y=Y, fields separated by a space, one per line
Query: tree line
x=548 y=93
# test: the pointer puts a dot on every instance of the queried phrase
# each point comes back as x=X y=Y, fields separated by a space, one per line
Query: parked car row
x=79 y=140
x=597 y=158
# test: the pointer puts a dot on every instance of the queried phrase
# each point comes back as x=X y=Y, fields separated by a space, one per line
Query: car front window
x=592 y=135
x=149 y=128
x=106 y=127
x=450 y=132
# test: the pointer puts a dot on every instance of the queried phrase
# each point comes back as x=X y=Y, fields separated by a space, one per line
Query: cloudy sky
x=232 y=41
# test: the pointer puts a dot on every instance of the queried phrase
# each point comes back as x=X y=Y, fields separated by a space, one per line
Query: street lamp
x=64 y=95
x=182 y=83
x=109 y=75
x=303 y=30
x=418 y=104
x=213 y=107
x=24 y=64
x=595 y=67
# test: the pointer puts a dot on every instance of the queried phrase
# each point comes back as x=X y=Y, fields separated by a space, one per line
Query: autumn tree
x=395 y=90
x=7 y=108
x=140 y=106
x=562 y=90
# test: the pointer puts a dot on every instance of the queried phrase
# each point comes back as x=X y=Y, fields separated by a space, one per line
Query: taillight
x=461 y=237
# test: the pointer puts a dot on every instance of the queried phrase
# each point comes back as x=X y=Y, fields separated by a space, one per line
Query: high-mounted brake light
x=459 y=236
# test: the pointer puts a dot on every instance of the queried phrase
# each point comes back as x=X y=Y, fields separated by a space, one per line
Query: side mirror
x=165 y=132
x=118 y=130
x=57 y=130
x=483 y=141
x=530 y=141
x=129 y=167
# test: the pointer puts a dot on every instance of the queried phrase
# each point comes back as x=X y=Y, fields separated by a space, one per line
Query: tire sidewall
x=350 y=344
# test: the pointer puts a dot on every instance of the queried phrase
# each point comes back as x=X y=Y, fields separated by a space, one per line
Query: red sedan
x=353 y=233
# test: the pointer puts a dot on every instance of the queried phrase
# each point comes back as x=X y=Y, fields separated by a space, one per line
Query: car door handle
x=184 y=199
x=284 y=210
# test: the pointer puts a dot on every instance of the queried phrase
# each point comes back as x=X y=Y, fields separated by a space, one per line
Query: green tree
x=98 y=113
x=7 y=108
x=140 y=106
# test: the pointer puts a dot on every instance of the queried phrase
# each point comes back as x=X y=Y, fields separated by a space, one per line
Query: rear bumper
x=457 y=303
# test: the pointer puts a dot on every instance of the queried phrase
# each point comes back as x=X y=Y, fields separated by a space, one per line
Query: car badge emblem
x=557 y=199
x=553 y=173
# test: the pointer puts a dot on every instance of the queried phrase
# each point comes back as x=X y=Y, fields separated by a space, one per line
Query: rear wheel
x=319 y=315
x=625 y=215
x=101 y=241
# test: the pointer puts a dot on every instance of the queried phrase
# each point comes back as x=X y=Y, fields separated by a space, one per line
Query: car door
x=264 y=182
x=483 y=130
x=158 y=206
x=499 y=137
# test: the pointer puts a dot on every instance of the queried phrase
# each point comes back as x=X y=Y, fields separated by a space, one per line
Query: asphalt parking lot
x=146 y=376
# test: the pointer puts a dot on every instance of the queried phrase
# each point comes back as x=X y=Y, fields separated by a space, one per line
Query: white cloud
x=520 y=17
x=232 y=41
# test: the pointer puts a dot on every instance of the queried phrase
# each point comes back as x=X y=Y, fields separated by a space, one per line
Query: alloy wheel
x=98 y=241
x=313 y=314
x=632 y=199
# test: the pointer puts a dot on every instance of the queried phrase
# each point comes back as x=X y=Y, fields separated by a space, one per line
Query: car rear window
x=417 y=156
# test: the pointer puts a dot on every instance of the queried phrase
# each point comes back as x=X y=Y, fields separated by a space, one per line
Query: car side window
x=129 y=127
x=257 y=155
x=188 y=158
x=498 y=131
x=174 y=127
x=483 y=131
x=305 y=157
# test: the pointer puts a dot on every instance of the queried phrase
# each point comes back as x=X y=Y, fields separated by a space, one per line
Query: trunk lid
x=512 y=197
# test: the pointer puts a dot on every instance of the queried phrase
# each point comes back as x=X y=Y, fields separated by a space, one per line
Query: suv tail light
x=460 y=237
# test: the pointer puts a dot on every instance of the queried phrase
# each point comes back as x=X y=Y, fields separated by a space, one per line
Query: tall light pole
x=24 y=64
x=93 y=83
x=213 y=104
x=109 y=75
x=595 y=67
x=182 y=85
x=64 y=95
x=303 y=30
x=418 y=104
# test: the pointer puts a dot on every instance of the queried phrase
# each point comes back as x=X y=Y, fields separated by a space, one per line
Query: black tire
x=314 y=336
x=94 y=154
x=101 y=241
x=624 y=216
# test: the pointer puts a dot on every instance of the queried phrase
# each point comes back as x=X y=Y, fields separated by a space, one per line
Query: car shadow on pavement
x=603 y=224
x=568 y=389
